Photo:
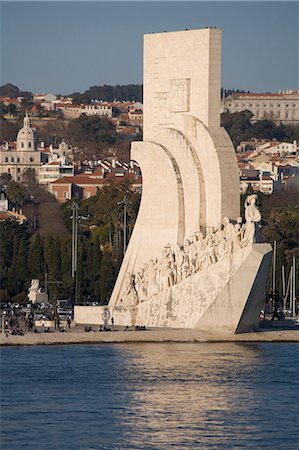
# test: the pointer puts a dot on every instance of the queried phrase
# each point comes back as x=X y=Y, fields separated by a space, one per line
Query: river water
x=150 y=396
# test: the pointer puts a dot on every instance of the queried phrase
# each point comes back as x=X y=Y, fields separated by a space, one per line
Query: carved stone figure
x=34 y=286
x=253 y=218
x=130 y=293
x=141 y=285
x=166 y=274
x=211 y=246
x=153 y=286
x=237 y=237
x=35 y=294
x=192 y=254
x=179 y=258
x=229 y=232
x=221 y=242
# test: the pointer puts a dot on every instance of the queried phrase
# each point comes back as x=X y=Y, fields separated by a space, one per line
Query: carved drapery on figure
x=253 y=221
x=198 y=252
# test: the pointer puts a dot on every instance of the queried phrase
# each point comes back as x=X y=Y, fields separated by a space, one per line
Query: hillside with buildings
x=54 y=151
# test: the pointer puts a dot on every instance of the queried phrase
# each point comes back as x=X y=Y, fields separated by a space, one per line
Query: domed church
x=22 y=155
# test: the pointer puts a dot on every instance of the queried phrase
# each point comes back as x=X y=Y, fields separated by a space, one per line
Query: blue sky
x=62 y=47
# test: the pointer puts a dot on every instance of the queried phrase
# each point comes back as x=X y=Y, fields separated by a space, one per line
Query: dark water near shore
x=150 y=396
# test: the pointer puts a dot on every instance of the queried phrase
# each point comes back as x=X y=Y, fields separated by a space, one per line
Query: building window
x=22 y=144
x=19 y=170
x=278 y=105
x=12 y=159
x=287 y=114
x=6 y=159
x=8 y=170
x=18 y=159
x=287 y=106
x=265 y=105
x=250 y=104
x=294 y=106
x=271 y=105
x=19 y=178
x=31 y=159
x=29 y=144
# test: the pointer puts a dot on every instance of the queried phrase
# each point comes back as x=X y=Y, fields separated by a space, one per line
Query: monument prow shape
x=190 y=262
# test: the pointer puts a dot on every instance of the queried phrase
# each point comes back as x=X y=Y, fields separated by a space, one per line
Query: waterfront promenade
x=273 y=332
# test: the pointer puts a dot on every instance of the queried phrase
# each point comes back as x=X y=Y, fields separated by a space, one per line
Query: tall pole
x=294 y=286
x=274 y=276
x=75 y=249
x=76 y=256
x=46 y=283
x=283 y=276
x=73 y=239
x=125 y=225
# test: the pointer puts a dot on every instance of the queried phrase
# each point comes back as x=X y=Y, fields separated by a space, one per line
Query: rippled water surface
x=150 y=396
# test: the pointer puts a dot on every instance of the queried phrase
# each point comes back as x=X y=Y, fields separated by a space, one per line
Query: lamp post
x=74 y=217
x=124 y=202
x=75 y=223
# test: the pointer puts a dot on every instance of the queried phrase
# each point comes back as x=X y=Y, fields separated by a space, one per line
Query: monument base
x=227 y=296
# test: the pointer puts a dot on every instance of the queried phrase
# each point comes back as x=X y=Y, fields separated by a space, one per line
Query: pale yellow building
x=279 y=107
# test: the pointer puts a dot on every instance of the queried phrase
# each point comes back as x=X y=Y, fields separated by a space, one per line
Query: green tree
x=36 y=258
x=15 y=193
x=5 y=179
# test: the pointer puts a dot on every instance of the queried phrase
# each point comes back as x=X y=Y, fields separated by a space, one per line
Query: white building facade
x=279 y=107
x=23 y=156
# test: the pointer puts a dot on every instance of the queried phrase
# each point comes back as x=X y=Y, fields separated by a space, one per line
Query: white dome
x=25 y=138
x=25 y=133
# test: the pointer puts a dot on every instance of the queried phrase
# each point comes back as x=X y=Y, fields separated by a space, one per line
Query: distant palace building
x=22 y=155
x=279 y=107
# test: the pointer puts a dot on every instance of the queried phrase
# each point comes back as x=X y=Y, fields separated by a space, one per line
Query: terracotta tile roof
x=62 y=181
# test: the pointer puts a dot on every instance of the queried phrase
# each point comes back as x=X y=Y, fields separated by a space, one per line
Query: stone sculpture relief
x=197 y=253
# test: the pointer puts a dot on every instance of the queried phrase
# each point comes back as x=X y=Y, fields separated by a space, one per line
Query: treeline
x=239 y=127
x=26 y=254
x=25 y=257
x=12 y=91
x=128 y=92
x=280 y=223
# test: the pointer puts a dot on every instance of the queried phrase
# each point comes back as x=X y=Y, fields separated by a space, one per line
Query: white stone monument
x=36 y=295
x=191 y=262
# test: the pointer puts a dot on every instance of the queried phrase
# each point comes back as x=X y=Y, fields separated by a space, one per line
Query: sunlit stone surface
x=190 y=201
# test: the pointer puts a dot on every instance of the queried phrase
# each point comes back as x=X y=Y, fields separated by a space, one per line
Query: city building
x=279 y=107
x=54 y=170
x=74 y=111
x=86 y=185
x=15 y=159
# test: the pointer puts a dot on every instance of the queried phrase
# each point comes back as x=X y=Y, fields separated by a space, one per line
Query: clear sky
x=62 y=47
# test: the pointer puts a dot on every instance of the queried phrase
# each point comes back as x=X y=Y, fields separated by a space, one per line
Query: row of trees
x=128 y=92
x=280 y=223
x=26 y=253
x=239 y=127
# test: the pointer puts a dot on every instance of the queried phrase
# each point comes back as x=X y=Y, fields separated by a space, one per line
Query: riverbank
x=77 y=335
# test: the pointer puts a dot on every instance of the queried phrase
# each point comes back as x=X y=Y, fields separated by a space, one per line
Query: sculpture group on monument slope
x=197 y=253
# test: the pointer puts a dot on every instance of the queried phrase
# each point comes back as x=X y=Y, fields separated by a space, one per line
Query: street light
x=124 y=202
x=75 y=221
x=74 y=217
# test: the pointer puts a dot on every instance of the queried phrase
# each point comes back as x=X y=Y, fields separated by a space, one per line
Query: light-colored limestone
x=190 y=183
